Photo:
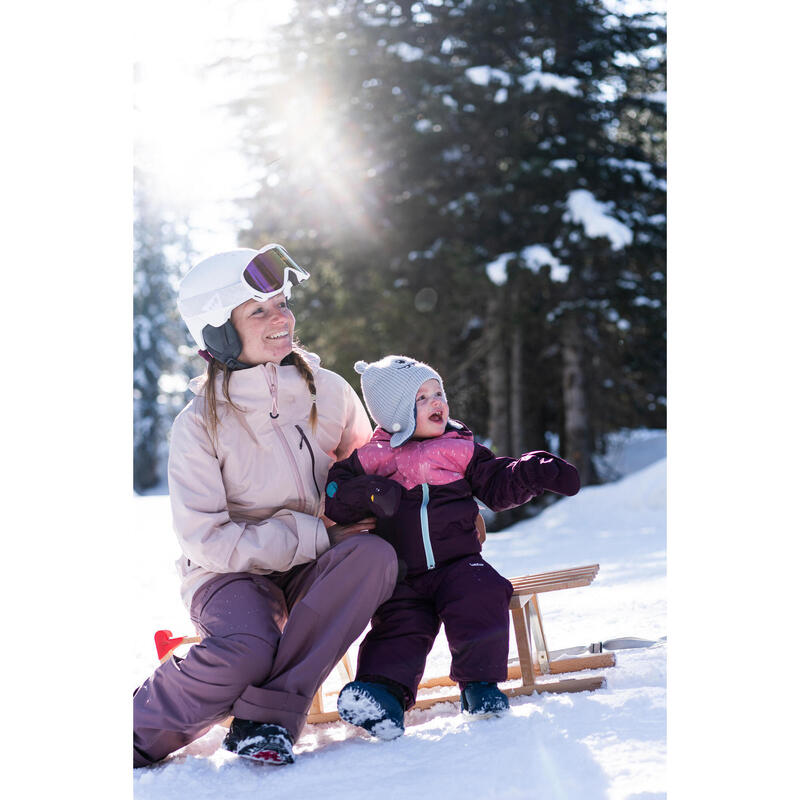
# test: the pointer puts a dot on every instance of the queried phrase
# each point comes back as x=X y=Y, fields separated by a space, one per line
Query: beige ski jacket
x=250 y=501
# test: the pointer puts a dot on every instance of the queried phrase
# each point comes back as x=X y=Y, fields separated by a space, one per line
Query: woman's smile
x=265 y=329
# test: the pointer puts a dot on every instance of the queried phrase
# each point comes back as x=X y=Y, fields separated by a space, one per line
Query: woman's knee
x=371 y=548
x=235 y=660
x=371 y=562
x=376 y=554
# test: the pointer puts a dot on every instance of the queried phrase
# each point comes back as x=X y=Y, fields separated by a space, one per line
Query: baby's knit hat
x=390 y=390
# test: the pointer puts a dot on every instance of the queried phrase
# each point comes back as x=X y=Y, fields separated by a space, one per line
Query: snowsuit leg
x=472 y=600
x=269 y=642
x=403 y=631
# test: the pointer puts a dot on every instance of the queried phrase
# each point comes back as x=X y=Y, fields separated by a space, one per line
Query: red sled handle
x=166 y=644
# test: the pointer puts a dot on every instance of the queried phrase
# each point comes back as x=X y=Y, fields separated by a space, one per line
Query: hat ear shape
x=360 y=367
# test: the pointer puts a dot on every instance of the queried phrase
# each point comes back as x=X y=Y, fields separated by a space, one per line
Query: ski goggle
x=268 y=273
x=271 y=272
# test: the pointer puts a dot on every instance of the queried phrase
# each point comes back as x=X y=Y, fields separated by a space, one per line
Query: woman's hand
x=480 y=524
x=338 y=532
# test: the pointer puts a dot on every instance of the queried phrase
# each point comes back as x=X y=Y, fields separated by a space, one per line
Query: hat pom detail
x=360 y=367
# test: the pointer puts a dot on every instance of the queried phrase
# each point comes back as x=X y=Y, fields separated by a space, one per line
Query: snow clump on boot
x=372 y=707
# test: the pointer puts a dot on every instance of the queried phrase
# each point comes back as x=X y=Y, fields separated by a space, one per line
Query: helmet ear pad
x=224 y=344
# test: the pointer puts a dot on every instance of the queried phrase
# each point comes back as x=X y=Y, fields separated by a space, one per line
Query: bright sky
x=184 y=135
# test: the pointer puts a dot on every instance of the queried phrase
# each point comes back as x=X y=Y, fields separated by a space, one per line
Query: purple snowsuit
x=443 y=578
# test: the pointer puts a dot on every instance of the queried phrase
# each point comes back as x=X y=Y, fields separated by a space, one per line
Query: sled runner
x=533 y=667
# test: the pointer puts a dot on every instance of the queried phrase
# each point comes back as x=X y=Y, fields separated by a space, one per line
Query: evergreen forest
x=477 y=184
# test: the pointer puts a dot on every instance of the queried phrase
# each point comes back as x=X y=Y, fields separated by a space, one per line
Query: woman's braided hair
x=215 y=367
x=304 y=368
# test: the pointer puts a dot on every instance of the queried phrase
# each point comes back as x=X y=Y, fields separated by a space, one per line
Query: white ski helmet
x=212 y=288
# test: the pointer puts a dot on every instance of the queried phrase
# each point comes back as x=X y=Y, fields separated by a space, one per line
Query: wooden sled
x=534 y=668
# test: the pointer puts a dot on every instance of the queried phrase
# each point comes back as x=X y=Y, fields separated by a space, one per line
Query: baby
x=419 y=474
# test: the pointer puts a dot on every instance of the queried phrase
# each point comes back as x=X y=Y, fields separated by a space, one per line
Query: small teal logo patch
x=331 y=488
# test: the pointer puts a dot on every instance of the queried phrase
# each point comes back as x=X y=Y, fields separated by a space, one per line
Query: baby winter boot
x=482 y=698
x=372 y=706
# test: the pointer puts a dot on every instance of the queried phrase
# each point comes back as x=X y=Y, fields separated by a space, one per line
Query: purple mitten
x=384 y=496
x=550 y=472
x=348 y=499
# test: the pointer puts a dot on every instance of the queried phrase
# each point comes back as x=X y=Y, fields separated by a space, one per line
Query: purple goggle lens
x=272 y=271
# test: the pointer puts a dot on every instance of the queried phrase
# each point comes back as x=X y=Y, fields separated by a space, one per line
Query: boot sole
x=485 y=714
x=269 y=757
x=493 y=712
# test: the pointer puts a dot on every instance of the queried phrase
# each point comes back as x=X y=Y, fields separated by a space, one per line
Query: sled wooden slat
x=588 y=684
x=599 y=661
x=565 y=579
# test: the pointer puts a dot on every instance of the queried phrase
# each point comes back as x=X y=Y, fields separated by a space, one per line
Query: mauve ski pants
x=268 y=644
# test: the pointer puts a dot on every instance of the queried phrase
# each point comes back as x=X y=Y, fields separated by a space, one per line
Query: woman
x=277 y=591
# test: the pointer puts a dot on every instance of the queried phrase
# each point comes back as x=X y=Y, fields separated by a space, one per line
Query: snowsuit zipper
x=426 y=534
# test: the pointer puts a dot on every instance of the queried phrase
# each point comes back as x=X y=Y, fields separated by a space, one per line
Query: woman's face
x=266 y=329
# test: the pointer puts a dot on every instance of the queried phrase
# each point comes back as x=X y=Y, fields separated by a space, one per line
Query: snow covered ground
x=609 y=743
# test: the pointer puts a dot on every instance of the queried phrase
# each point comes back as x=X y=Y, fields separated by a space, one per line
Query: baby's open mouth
x=436 y=416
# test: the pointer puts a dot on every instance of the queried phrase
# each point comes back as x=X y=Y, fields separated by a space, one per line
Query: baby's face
x=432 y=410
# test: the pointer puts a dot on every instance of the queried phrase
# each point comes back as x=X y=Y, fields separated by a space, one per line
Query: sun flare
x=185 y=138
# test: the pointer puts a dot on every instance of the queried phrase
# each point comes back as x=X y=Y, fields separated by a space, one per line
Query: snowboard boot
x=372 y=706
x=260 y=741
x=483 y=699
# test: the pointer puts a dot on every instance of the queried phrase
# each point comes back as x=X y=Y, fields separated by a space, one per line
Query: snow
x=483 y=74
x=610 y=743
x=532 y=257
x=630 y=450
x=585 y=209
x=582 y=208
x=547 y=80
x=406 y=52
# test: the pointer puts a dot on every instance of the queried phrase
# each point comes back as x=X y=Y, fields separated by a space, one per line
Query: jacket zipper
x=304 y=438
x=426 y=534
x=272 y=381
